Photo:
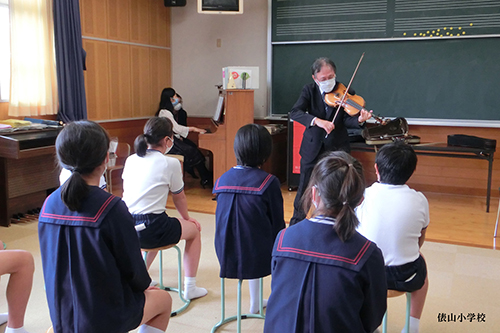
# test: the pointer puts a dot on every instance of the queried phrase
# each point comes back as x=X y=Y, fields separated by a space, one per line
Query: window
x=33 y=86
x=4 y=51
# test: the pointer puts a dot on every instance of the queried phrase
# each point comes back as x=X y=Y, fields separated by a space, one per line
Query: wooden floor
x=455 y=219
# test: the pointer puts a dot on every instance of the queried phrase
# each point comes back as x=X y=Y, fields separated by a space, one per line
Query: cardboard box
x=236 y=72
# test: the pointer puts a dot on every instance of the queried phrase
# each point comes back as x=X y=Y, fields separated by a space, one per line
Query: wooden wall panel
x=139 y=21
x=453 y=175
x=97 y=80
x=4 y=110
x=125 y=130
x=125 y=80
x=159 y=19
x=93 y=16
x=119 y=19
x=445 y=174
x=120 y=80
x=141 y=82
x=160 y=74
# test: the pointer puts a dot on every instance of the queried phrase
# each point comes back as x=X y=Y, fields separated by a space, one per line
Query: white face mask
x=178 y=106
x=326 y=86
x=169 y=148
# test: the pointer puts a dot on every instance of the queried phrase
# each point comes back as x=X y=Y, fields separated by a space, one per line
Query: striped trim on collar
x=323 y=219
x=244 y=188
x=92 y=219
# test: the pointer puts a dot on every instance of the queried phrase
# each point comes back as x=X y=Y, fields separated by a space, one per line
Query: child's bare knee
x=27 y=261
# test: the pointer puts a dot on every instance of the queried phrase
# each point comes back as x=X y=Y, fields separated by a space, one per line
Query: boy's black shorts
x=408 y=277
x=161 y=230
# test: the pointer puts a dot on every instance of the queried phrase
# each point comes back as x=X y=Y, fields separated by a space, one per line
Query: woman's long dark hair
x=165 y=102
x=155 y=130
x=339 y=181
x=81 y=147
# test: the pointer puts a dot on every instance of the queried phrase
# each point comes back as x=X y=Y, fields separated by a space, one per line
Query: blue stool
x=395 y=293
x=179 y=276
x=239 y=316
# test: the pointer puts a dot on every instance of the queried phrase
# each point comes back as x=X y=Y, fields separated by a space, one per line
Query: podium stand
x=238 y=111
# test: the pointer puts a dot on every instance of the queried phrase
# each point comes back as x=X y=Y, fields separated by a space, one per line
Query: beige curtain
x=33 y=83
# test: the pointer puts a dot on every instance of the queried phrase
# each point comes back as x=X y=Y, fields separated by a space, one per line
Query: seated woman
x=148 y=176
x=95 y=277
x=180 y=115
x=249 y=212
x=20 y=266
x=326 y=277
x=193 y=158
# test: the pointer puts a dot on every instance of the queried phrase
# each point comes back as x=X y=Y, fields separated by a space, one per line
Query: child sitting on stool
x=249 y=212
x=395 y=217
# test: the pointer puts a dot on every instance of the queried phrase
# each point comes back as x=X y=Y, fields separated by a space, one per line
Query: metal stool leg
x=261 y=298
x=384 y=323
x=178 y=290
x=239 y=316
x=408 y=308
x=238 y=312
x=407 y=322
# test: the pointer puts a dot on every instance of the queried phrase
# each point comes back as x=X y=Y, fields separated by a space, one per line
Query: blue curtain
x=70 y=60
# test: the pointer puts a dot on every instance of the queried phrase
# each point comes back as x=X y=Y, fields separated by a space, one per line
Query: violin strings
x=354 y=104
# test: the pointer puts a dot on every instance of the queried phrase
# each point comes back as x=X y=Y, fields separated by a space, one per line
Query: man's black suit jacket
x=309 y=105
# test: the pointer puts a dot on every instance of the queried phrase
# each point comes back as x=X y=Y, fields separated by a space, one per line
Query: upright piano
x=238 y=111
x=27 y=170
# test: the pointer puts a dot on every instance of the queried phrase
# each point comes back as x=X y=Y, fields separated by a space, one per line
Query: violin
x=352 y=104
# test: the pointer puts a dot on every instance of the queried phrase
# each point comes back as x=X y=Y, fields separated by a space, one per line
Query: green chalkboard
x=429 y=78
x=306 y=20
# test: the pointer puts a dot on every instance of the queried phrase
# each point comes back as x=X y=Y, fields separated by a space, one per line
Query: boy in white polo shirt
x=396 y=217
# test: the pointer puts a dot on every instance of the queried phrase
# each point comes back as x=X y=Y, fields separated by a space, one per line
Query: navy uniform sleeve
x=375 y=291
x=276 y=207
x=124 y=244
x=303 y=104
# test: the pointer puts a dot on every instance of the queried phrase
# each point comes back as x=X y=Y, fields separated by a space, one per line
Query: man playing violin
x=321 y=133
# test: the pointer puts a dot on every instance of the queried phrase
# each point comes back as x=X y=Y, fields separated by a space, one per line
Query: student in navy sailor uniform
x=311 y=111
x=326 y=277
x=249 y=211
x=95 y=278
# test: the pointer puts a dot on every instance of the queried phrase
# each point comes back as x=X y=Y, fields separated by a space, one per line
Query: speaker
x=174 y=3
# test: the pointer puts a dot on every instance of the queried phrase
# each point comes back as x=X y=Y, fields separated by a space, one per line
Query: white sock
x=191 y=291
x=414 y=323
x=149 y=329
x=15 y=330
x=254 y=287
x=3 y=318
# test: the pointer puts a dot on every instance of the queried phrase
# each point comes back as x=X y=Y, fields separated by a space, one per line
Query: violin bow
x=346 y=90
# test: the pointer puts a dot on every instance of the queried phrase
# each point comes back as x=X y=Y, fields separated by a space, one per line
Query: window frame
x=5 y=53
